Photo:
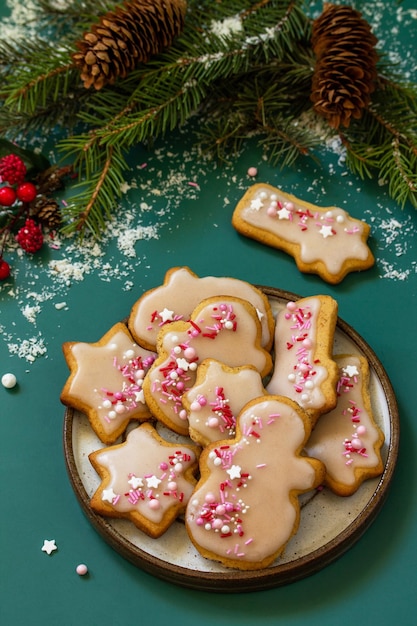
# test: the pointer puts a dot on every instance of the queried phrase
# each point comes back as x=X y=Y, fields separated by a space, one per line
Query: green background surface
x=375 y=581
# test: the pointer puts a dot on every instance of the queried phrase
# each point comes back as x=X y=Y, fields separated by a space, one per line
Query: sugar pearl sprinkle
x=126 y=399
x=81 y=569
x=8 y=380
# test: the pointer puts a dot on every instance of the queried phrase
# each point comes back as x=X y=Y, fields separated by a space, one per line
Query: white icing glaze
x=347 y=439
x=217 y=397
x=181 y=293
x=297 y=374
x=245 y=509
x=108 y=379
x=329 y=235
x=226 y=329
x=144 y=476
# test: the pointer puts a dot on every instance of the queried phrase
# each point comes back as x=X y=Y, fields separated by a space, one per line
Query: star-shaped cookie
x=106 y=381
x=145 y=479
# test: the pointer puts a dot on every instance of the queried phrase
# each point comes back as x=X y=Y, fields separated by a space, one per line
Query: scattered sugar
x=30 y=312
x=168 y=179
x=29 y=349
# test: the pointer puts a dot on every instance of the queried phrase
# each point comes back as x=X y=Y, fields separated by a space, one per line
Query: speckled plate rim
x=277 y=575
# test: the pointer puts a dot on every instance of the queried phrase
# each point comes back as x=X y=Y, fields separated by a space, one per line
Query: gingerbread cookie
x=216 y=398
x=181 y=292
x=324 y=241
x=245 y=507
x=144 y=479
x=106 y=381
x=226 y=329
x=347 y=439
x=304 y=369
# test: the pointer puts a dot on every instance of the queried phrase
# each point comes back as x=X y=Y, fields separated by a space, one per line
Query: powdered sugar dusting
x=159 y=191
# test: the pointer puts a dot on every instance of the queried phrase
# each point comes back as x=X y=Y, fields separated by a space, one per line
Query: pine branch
x=385 y=140
x=244 y=67
x=97 y=195
x=41 y=89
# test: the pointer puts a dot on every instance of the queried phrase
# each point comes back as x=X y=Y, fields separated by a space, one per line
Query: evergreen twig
x=254 y=81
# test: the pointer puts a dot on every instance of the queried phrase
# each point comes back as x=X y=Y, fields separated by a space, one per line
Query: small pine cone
x=30 y=237
x=131 y=34
x=345 y=72
x=12 y=169
x=47 y=212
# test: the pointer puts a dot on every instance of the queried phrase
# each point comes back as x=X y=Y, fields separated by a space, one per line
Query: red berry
x=30 y=237
x=12 y=169
x=4 y=269
x=7 y=196
x=26 y=192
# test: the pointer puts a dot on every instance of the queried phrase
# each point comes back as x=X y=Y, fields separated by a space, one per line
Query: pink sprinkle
x=261 y=465
x=81 y=569
x=192 y=184
x=252 y=172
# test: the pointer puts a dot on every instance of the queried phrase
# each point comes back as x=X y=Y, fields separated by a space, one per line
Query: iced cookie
x=245 y=507
x=226 y=329
x=144 y=479
x=347 y=439
x=106 y=381
x=216 y=398
x=181 y=292
x=324 y=241
x=304 y=368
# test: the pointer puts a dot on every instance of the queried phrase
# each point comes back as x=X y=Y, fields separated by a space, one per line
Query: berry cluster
x=15 y=195
x=13 y=173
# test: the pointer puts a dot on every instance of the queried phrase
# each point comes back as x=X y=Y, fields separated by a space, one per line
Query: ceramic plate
x=329 y=524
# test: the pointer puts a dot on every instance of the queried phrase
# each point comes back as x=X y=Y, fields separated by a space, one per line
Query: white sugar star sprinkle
x=350 y=370
x=153 y=482
x=166 y=315
x=326 y=231
x=183 y=364
x=284 y=213
x=256 y=204
x=234 y=471
x=135 y=482
x=49 y=546
x=108 y=495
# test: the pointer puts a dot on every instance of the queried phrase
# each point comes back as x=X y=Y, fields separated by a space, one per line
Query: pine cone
x=345 y=71
x=127 y=36
x=46 y=211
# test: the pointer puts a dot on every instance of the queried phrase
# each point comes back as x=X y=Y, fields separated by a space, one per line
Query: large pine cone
x=132 y=34
x=345 y=71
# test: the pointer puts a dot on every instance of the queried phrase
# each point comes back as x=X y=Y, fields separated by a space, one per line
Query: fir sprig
x=253 y=80
x=385 y=140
